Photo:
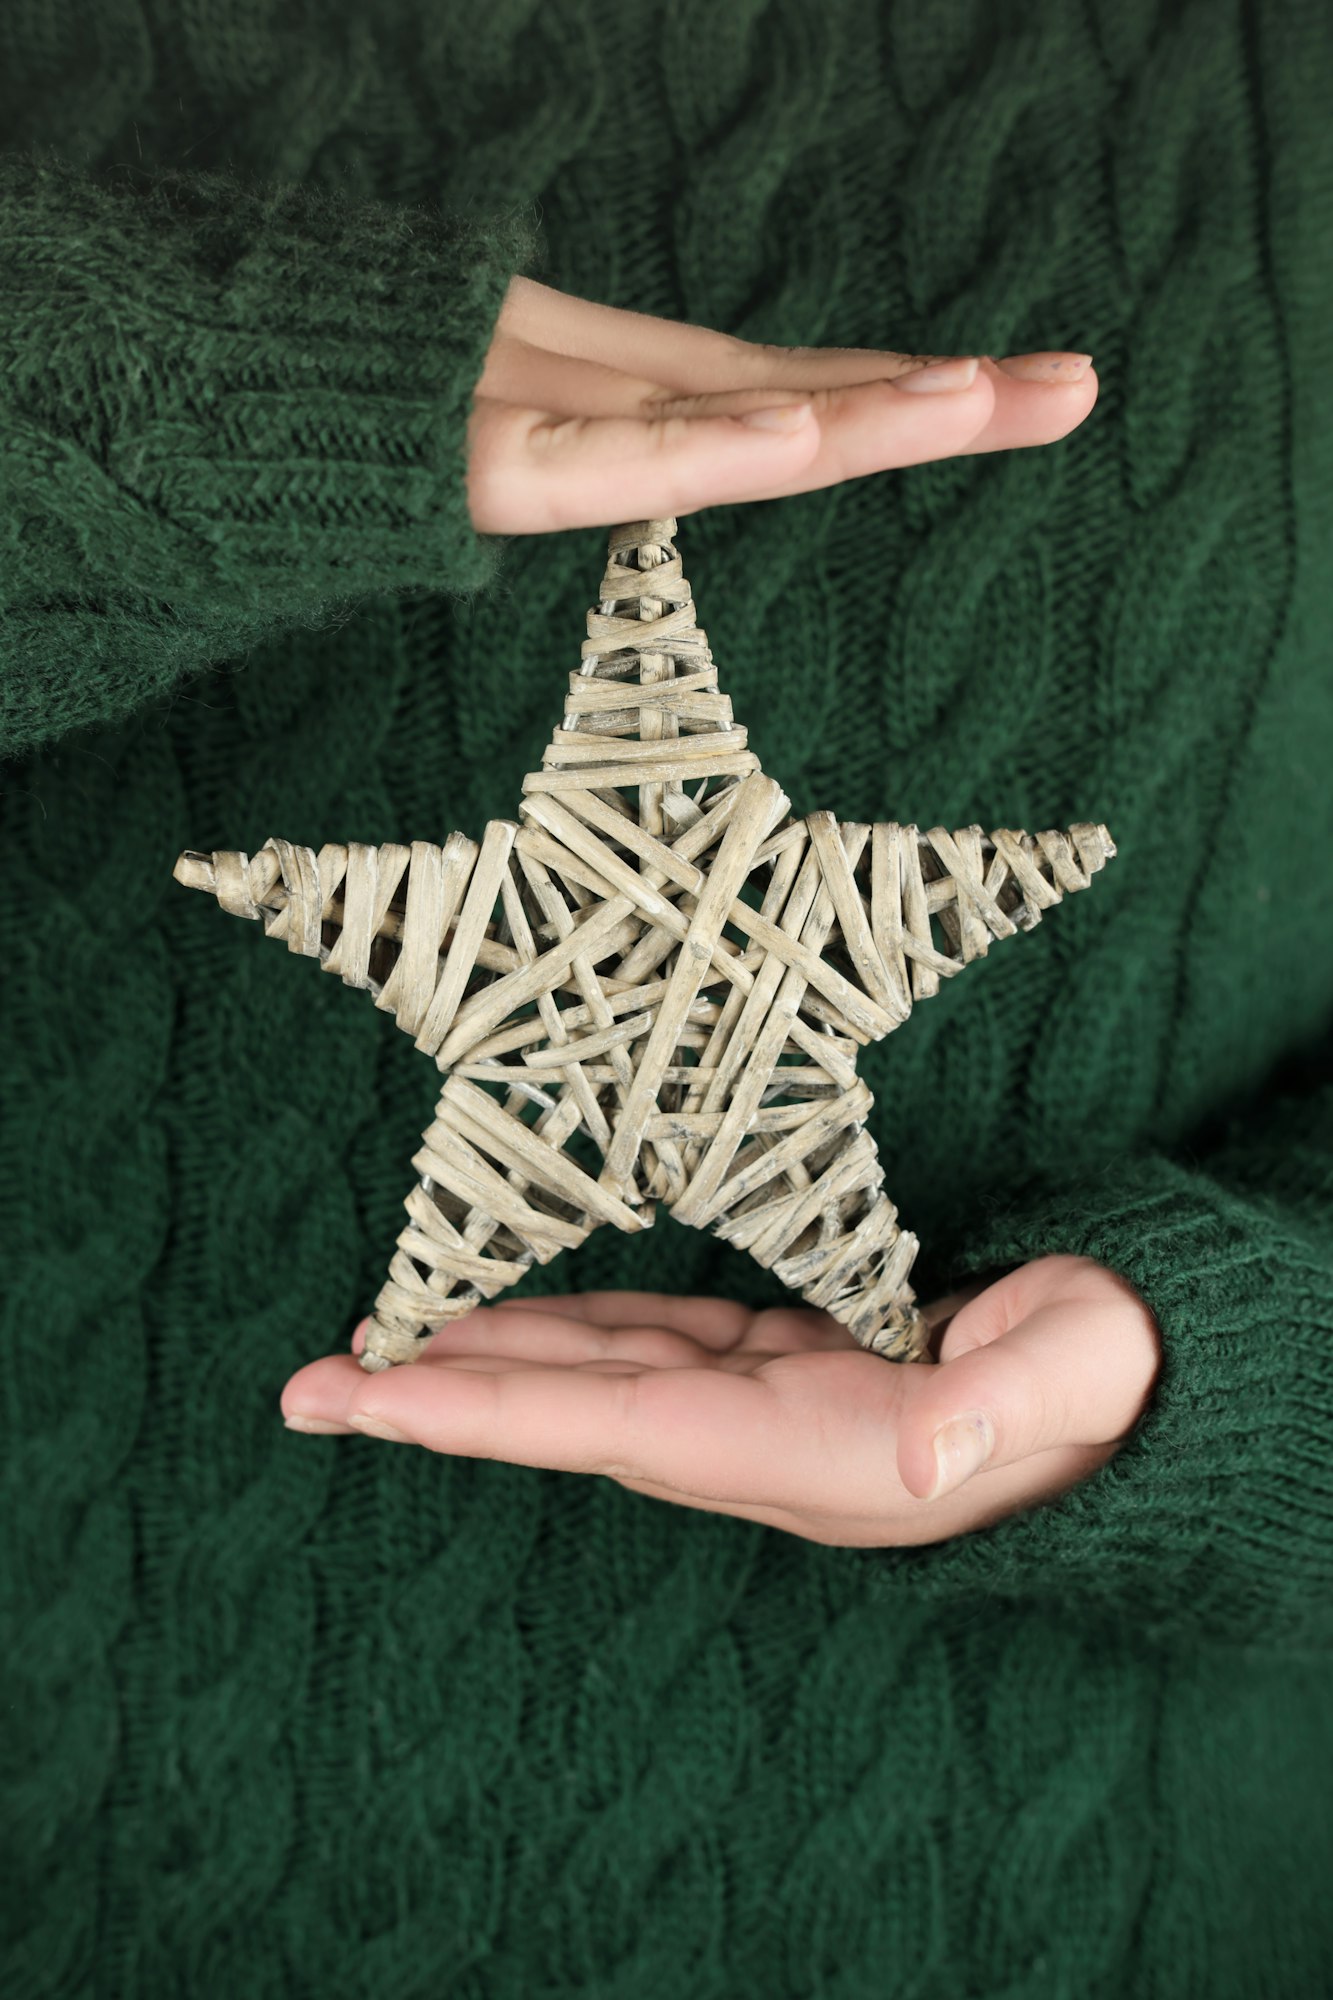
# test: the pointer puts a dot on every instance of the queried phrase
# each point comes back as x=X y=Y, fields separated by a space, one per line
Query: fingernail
x=1051 y=366
x=316 y=1424
x=377 y=1428
x=958 y=373
x=786 y=417
x=961 y=1448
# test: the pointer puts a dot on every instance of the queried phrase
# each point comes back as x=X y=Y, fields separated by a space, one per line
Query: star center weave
x=653 y=986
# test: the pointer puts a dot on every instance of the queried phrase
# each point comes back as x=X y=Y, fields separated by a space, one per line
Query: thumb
x=1058 y=1352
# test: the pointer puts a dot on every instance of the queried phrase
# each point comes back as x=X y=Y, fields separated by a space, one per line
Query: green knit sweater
x=289 y=1716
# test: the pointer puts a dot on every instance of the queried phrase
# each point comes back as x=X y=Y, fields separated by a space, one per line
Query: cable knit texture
x=293 y=1716
x=271 y=419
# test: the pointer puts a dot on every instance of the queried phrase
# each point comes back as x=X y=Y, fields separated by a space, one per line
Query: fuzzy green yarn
x=290 y=1716
x=233 y=408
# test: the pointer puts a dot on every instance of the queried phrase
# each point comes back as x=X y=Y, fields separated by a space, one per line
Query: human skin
x=1034 y=1379
x=778 y=1416
x=563 y=436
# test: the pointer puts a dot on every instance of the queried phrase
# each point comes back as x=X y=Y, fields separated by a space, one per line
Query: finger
x=1009 y=1295
x=534 y=374
x=702 y=1322
x=716 y=1323
x=1018 y=1377
x=651 y=1328
x=702 y=1435
x=528 y=1333
x=678 y=354
x=879 y=426
x=991 y=1495
x=939 y=1314
x=721 y=1325
x=532 y=473
x=537 y=322
x=742 y=376
x=1035 y=412
x=849 y=1495
x=904 y=1521
x=474 y=1364
x=722 y=1435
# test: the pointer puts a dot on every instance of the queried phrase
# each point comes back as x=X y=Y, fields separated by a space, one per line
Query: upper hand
x=777 y=1416
x=586 y=415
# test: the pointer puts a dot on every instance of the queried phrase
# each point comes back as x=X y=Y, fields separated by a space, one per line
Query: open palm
x=777 y=1416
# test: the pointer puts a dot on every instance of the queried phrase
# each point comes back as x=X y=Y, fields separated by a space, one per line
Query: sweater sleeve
x=1215 y=1516
x=224 y=407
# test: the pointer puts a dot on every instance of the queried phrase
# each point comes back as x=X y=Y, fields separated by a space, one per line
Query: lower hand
x=587 y=415
x=778 y=1416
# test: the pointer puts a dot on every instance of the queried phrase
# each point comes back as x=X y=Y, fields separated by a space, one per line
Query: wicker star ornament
x=653 y=986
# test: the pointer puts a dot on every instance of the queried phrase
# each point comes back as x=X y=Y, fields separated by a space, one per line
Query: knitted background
x=290 y=1716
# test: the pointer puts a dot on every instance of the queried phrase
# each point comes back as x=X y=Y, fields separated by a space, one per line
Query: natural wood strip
x=857 y=1009
x=578 y=855
x=827 y=1270
x=767 y=1231
x=300 y=873
x=574 y=748
x=792 y=895
x=349 y=956
x=839 y=850
x=848 y=1109
x=450 y=1255
x=916 y=921
x=684 y=769
x=1065 y=867
x=754 y=815
x=659 y=854
x=812 y=917
x=896 y=1266
x=473 y=918
x=609 y=867
x=675 y=631
x=589 y=984
x=702 y=1014
x=590 y=1045
x=480 y=1118
x=408 y=989
x=485 y=1010
x=980 y=915
x=739 y=1016
x=580 y=981
x=436 y=881
x=886 y=912
x=447 y=1156
x=702 y=1124
x=590 y=1111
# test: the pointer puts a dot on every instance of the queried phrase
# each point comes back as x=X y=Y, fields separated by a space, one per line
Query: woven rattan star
x=654 y=987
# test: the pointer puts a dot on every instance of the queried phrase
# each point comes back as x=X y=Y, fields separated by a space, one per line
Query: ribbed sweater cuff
x=244 y=394
x=1216 y=1513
